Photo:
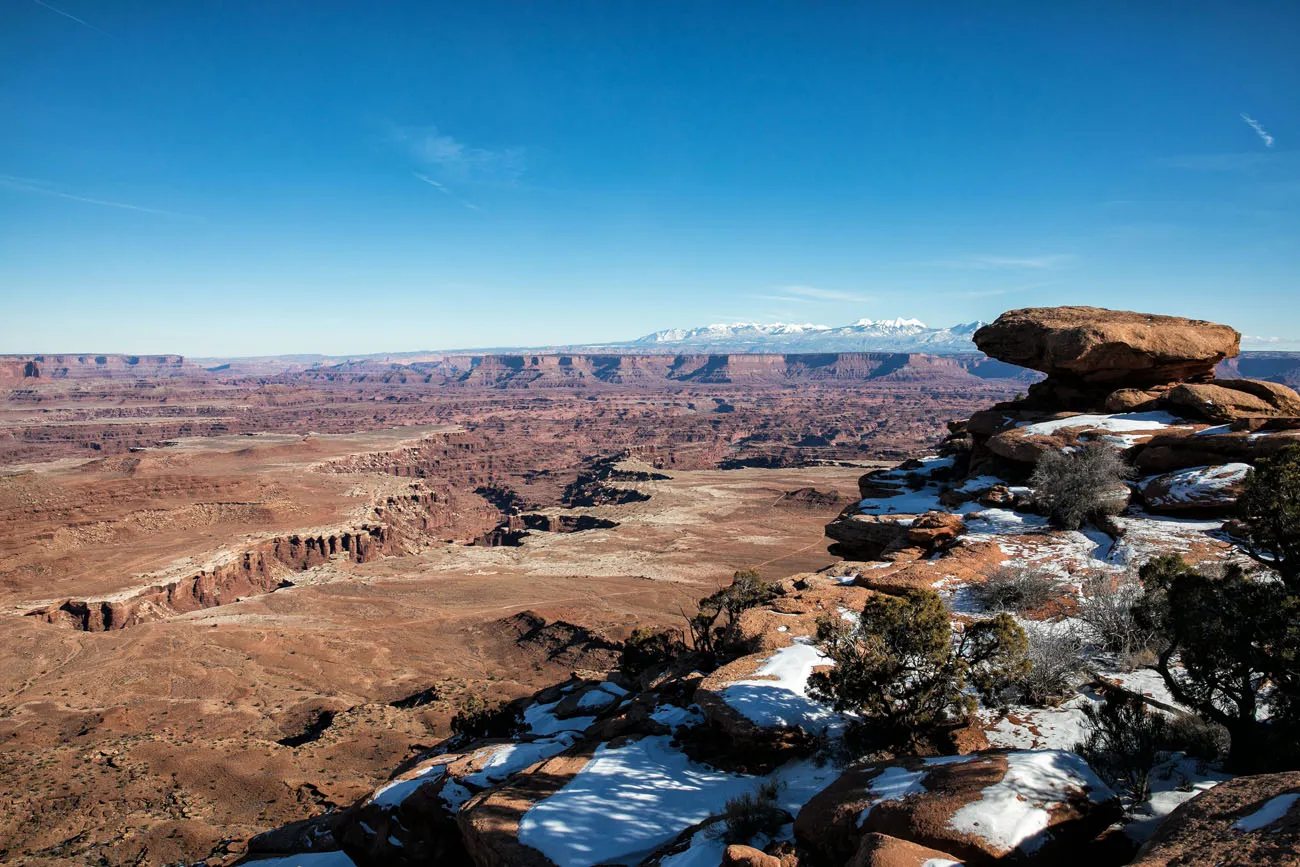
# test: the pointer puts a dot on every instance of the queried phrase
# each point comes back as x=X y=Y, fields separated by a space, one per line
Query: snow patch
x=392 y=794
x=541 y=720
x=675 y=717
x=893 y=784
x=782 y=698
x=1013 y=813
x=308 y=859
x=509 y=758
x=1119 y=423
x=1273 y=810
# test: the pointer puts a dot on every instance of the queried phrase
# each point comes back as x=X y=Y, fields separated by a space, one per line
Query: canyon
x=233 y=597
x=794 y=727
x=236 y=596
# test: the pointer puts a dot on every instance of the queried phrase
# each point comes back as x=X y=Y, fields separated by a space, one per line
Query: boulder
x=1247 y=821
x=999 y=496
x=881 y=850
x=489 y=821
x=1093 y=345
x=748 y=856
x=1231 y=399
x=1196 y=490
x=1282 y=398
x=1134 y=399
x=935 y=529
x=1168 y=452
x=868 y=536
x=1036 y=807
x=1021 y=446
x=1218 y=403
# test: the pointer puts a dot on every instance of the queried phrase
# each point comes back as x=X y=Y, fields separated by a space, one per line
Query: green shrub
x=899 y=669
x=650 y=650
x=1228 y=646
x=1124 y=742
x=477 y=719
x=715 y=629
x=1197 y=738
x=1270 y=503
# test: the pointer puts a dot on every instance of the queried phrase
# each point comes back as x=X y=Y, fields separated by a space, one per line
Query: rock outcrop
x=882 y=850
x=1095 y=346
x=1246 y=821
x=982 y=808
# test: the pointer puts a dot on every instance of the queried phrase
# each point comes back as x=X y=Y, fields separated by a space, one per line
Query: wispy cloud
x=454 y=161
x=1033 y=263
x=443 y=189
x=72 y=17
x=989 y=293
x=1257 y=342
x=1259 y=130
x=45 y=188
x=812 y=293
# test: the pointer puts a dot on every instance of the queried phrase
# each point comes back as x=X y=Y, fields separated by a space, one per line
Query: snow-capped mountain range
x=865 y=335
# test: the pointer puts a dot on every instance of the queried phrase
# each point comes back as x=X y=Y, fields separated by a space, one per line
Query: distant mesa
x=14 y=369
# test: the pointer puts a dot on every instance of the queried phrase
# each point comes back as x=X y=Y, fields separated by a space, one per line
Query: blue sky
x=232 y=178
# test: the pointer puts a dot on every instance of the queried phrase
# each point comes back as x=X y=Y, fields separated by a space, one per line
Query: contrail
x=36 y=187
x=72 y=17
x=443 y=187
x=1259 y=130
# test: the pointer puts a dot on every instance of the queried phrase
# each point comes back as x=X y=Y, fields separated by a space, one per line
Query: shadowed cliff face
x=17 y=367
x=256 y=571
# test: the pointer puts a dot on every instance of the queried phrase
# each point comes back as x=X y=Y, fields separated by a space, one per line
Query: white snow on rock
x=1199 y=484
x=893 y=784
x=392 y=794
x=1012 y=813
x=1143 y=681
x=454 y=795
x=706 y=850
x=1042 y=728
x=596 y=699
x=778 y=693
x=1173 y=783
x=708 y=846
x=1274 y=810
x=541 y=720
x=988 y=523
x=977 y=484
x=630 y=800
x=907 y=501
x=308 y=859
x=676 y=717
x=1125 y=422
x=1148 y=536
x=941 y=862
x=509 y=758
x=626 y=802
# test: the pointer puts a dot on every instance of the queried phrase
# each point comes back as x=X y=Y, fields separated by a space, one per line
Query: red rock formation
x=1094 y=345
x=258 y=570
